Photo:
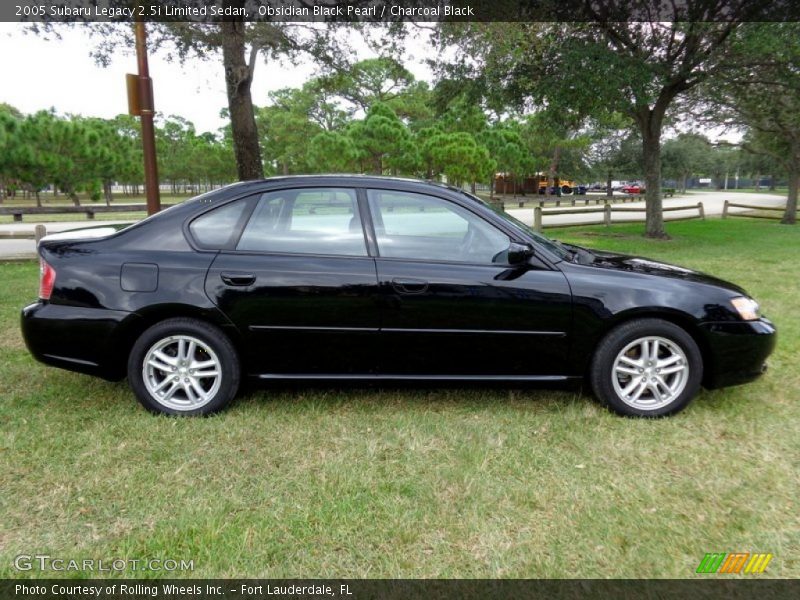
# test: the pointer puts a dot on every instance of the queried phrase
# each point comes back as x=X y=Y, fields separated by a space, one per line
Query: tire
x=167 y=364
x=628 y=381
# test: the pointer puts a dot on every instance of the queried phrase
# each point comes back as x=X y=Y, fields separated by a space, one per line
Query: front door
x=452 y=306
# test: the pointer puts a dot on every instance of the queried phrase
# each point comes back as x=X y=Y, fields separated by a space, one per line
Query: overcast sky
x=37 y=74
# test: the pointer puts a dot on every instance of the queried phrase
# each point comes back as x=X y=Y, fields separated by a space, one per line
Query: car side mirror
x=519 y=253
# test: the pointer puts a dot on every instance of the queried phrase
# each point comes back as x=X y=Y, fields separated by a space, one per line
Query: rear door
x=299 y=284
x=453 y=306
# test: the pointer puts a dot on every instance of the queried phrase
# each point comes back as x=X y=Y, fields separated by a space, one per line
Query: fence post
x=537 y=218
x=39 y=232
x=725 y=210
x=702 y=210
x=607 y=214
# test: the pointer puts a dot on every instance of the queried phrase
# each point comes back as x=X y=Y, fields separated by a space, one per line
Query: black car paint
x=319 y=316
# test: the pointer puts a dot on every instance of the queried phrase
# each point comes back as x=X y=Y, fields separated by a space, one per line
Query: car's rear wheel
x=184 y=367
x=647 y=368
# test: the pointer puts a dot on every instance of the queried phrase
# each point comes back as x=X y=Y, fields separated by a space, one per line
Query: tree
x=286 y=128
x=369 y=81
x=460 y=158
x=503 y=140
x=556 y=143
x=756 y=164
x=633 y=67
x=9 y=144
x=764 y=99
x=684 y=156
x=383 y=141
x=332 y=152
x=65 y=152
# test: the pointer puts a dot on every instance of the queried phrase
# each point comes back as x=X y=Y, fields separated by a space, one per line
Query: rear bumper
x=86 y=340
x=737 y=351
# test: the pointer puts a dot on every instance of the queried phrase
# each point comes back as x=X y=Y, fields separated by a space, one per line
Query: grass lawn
x=368 y=482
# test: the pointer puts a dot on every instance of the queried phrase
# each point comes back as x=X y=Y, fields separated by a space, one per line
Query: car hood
x=637 y=264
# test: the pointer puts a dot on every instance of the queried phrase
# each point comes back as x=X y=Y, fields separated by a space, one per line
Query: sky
x=37 y=74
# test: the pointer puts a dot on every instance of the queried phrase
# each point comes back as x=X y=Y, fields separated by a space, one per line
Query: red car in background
x=633 y=188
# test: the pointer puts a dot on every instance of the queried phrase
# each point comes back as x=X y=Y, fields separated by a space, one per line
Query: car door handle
x=239 y=279
x=409 y=286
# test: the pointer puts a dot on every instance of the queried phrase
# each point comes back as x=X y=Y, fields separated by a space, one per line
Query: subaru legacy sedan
x=372 y=278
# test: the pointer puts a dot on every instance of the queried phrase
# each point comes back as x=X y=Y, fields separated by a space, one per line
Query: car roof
x=353 y=178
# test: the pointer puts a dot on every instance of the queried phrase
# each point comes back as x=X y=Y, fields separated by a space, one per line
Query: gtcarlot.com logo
x=45 y=562
x=734 y=562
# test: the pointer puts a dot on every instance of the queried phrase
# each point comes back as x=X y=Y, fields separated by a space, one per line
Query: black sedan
x=371 y=278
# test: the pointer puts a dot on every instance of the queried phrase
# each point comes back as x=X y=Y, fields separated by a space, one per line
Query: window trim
x=378 y=255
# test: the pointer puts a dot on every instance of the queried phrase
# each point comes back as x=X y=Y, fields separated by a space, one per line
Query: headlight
x=746 y=307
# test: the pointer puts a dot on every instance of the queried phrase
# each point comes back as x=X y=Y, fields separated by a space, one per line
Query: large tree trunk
x=107 y=192
x=238 y=79
x=650 y=122
x=790 y=214
x=609 y=184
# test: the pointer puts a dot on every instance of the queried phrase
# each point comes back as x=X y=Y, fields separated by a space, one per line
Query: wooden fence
x=726 y=213
x=18 y=211
x=606 y=210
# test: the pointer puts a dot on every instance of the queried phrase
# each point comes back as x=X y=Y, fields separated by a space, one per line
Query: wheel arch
x=151 y=315
x=683 y=320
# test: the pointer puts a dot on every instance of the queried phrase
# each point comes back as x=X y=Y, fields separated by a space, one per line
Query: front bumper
x=86 y=340
x=736 y=352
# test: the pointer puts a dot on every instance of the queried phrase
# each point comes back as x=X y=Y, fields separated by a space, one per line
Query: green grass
x=352 y=482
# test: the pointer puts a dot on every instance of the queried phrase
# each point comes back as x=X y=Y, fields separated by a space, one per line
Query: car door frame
x=539 y=261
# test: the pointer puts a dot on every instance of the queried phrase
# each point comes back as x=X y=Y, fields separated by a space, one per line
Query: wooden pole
x=147 y=113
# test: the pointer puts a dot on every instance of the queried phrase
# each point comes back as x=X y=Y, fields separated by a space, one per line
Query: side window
x=416 y=226
x=215 y=228
x=306 y=221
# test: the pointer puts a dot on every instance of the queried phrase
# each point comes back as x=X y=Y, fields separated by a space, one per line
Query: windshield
x=551 y=245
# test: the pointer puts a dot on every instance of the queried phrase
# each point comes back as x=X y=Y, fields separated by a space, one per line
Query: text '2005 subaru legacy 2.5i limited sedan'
x=371 y=278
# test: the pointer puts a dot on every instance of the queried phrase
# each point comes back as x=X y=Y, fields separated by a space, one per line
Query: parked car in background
x=378 y=279
x=633 y=188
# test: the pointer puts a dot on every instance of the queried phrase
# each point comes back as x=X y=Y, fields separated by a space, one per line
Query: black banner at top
x=386 y=11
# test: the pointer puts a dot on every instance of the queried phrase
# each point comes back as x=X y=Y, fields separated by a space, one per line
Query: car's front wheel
x=184 y=367
x=647 y=368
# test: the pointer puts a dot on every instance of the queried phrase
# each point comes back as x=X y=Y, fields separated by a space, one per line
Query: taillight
x=47 y=279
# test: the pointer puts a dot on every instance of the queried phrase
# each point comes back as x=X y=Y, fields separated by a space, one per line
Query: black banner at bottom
x=368 y=589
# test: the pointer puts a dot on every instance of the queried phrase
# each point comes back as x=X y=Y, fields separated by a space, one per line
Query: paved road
x=712 y=202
